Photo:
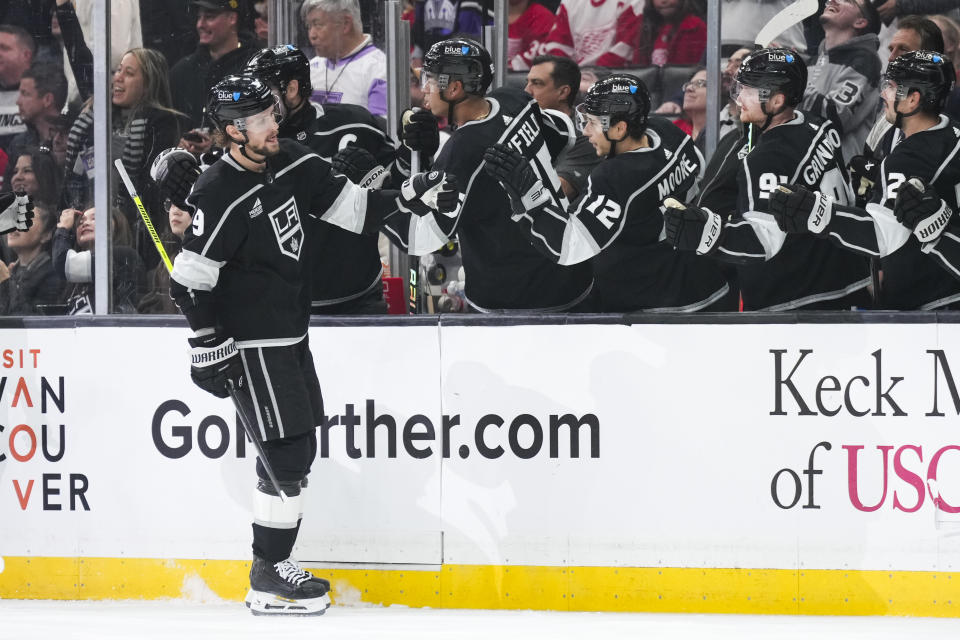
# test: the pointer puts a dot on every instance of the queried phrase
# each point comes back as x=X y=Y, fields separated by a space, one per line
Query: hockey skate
x=284 y=588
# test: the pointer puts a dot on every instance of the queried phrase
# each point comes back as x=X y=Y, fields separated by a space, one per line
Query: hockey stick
x=413 y=274
x=248 y=427
x=785 y=18
x=143 y=214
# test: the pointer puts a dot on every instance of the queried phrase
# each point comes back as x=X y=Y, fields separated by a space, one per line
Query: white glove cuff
x=931 y=227
x=821 y=214
x=711 y=233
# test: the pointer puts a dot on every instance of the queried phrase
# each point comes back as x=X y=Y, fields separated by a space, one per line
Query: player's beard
x=266 y=149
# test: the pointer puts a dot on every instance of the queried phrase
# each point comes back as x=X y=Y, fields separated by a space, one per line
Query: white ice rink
x=179 y=620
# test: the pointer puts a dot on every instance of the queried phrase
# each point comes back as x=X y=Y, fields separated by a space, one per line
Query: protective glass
x=585 y=119
x=700 y=83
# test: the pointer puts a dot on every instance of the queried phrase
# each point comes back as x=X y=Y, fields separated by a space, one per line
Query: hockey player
x=326 y=130
x=777 y=272
x=617 y=225
x=503 y=270
x=242 y=281
x=909 y=211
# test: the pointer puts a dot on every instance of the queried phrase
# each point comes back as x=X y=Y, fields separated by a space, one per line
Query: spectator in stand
x=599 y=32
x=436 y=20
x=167 y=28
x=843 y=83
x=34 y=16
x=554 y=82
x=125 y=31
x=530 y=22
x=35 y=173
x=30 y=280
x=77 y=57
x=73 y=260
x=671 y=33
x=17 y=49
x=221 y=51
x=694 y=118
x=143 y=125
x=347 y=68
x=261 y=28
x=43 y=92
x=951 y=36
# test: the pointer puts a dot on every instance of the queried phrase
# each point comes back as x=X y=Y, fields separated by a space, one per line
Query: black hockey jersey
x=912 y=278
x=618 y=223
x=347 y=265
x=778 y=271
x=244 y=263
x=503 y=270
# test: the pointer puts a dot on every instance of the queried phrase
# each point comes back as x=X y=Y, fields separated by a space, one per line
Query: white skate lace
x=291 y=572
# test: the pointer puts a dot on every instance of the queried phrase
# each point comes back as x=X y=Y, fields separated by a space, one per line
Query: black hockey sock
x=274 y=544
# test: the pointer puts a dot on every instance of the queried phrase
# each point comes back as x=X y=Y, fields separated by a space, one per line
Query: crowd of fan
x=166 y=55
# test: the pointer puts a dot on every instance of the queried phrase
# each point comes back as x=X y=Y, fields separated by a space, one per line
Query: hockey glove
x=919 y=208
x=864 y=173
x=690 y=228
x=517 y=177
x=16 y=212
x=798 y=210
x=420 y=131
x=175 y=171
x=214 y=361
x=426 y=193
x=360 y=167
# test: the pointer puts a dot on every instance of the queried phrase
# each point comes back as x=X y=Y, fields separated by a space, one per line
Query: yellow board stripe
x=753 y=591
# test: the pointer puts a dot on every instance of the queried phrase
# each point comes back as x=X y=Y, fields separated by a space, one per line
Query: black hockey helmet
x=928 y=72
x=238 y=97
x=774 y=71
x=462 y=59
x=621 y=97
x=279 y=65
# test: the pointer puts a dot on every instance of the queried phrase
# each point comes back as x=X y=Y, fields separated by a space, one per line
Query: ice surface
x=186 y=620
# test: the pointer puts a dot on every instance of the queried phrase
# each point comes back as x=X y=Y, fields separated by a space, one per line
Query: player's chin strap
x=770 y=116
x=898 y=122
x=243 y=145
x=450 y=104
x=613 y=143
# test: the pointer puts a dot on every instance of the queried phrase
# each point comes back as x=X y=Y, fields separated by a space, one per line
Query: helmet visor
x=431 y=82
x=745 y=94
x=585 y=119
x=265 y=120
x=889 y=89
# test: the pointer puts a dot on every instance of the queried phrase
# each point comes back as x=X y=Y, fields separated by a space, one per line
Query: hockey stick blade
x=248 y=427
x=786 y=18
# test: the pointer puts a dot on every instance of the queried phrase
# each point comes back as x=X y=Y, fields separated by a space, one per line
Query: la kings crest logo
x=285 y=221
